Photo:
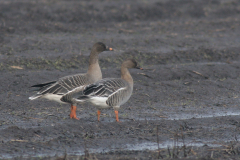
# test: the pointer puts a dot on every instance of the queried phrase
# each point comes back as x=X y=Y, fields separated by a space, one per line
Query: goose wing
x=74 y=83
x=64 y=86
x=104 y=87
x=48 y=88
x=115 y=90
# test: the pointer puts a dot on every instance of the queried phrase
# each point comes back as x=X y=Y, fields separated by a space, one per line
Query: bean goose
x=63 y=89
x=111 y=92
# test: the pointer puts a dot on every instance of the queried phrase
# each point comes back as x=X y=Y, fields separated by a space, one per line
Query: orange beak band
x=109 y=49
x=73 y=112
x=98 y=115
x=116 y=113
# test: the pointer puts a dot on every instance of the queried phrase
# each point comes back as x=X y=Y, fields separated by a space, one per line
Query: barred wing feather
x=119 y=97
x=51 y=88
x=115 y=89
x=74 y=85
x=65 y=87
x=71 y=83
x=104 y=87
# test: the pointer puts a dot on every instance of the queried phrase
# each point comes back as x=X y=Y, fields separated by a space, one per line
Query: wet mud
x=185 y=103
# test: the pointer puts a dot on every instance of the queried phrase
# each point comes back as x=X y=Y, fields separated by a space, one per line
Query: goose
x=63 y=89
x=110 y=92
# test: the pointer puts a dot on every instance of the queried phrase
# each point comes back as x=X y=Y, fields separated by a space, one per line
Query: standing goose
x=111 y=92
x=63 y=89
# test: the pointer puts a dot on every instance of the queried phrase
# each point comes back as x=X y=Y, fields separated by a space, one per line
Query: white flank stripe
x=117 y=91
x=75 y=89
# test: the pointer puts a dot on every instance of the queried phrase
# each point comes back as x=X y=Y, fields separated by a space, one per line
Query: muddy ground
x=185 y=103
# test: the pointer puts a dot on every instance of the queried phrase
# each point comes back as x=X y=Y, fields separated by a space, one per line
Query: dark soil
x=185 y=103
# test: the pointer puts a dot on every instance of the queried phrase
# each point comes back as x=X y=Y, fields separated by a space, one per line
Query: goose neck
x=125 y=74
x=94 y=69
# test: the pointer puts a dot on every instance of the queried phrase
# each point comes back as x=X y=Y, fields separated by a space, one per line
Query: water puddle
x=184 y=116
x=148 y=146
x=170 y=144
x=127 y=147
x=209 y=115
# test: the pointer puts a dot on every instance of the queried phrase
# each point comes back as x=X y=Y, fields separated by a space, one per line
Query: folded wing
x=115 y=90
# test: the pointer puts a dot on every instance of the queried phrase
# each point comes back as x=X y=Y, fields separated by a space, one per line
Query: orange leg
x=98 y=115
x=116 y=113
x=73 y=112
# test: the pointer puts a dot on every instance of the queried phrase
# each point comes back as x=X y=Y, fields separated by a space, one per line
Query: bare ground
x=185 y=103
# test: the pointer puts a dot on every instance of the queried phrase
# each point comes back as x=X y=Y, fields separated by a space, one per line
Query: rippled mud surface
x=185 y=103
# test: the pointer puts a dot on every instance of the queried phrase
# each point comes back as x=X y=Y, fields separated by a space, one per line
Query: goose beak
x=109 y=49
x=139 y=68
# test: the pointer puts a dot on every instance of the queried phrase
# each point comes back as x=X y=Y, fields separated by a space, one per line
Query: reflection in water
x=183 y=116
x=148 y=146
x=166 y=144
x=127 y=147
x=208 y=115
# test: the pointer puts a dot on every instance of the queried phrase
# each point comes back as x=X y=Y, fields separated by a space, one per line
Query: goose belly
x=100 y=102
